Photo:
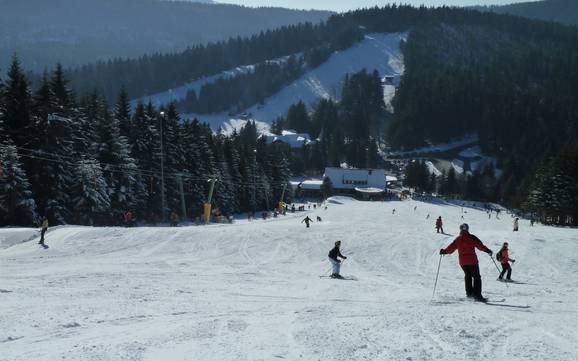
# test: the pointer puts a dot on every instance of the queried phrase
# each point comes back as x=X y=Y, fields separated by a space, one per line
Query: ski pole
x=498 y=268
x=437 y=275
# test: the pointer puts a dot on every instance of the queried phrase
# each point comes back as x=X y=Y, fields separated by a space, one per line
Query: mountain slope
x=82 y=31
x=378 y=51
x=251 y=291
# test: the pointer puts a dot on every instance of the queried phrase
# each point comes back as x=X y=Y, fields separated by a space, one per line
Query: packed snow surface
x=252 y=291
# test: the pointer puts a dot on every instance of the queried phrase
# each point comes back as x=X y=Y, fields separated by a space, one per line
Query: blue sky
x=342 y=5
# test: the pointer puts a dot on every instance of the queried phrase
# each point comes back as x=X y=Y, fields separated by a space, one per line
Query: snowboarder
x=439 y=225
x=334 y=256
x=466 y=245
x=43 y=229
x=307 y=220
x=505 y=259
x=174 y=219
x=516 y=224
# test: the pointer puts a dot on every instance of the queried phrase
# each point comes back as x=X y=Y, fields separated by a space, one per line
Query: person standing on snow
x=516 y=224
x=439 y=225
x=505 y=260
x=466 y=245
x=43 y=229
x=307 y=220
x=334 y=256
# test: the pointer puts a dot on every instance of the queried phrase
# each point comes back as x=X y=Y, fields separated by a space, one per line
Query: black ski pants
x=473 y=280
x=42 y=236
x=506 y=268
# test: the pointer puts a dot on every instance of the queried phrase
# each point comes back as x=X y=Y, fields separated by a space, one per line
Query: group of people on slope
x=466 y=244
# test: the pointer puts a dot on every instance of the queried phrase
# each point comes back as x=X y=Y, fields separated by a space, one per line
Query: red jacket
x=466 y=245
x=505 y=256
x=439 y=222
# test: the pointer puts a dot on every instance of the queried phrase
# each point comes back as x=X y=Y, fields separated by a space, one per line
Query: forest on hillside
x=78 y=160
x=76 y=32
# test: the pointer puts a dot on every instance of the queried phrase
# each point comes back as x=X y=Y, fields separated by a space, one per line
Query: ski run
x=252 y=290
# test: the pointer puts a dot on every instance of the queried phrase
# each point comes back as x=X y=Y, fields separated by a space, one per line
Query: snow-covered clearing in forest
x=378 y=51
x=251 y=290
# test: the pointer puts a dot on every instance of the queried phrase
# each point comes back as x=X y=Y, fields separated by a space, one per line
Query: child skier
x=466 y=245
x=505 y=259
x=334 y=256
x=516 y=224
x=439 y=225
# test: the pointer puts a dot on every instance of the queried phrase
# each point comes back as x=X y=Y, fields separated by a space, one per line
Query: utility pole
x=207 y=208
x=254 y=180
x=182 y=191
x=161 y=119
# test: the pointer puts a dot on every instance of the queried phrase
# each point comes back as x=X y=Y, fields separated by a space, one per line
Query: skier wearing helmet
x=466 y=245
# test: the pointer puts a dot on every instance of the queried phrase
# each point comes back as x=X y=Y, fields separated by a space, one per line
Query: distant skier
x=174 y=219
x=415 y=208
x=334 y=256
x=307 y=220
x=43 y=229
x=427 y=217
x=129 y=219
x=439 y=225
x=505 y=260
x=466 y=245
x=318 y=219
x=393 y=212
x=516 y=224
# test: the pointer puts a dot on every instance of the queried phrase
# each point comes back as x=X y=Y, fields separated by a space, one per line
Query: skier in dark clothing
x=334 y=256
x=466 y=245
x=439 y=225
x=505 y=259
x=43 y=229
x=307 y=220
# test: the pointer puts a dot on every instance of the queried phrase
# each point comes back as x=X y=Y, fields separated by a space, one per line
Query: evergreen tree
x=16 y=98
x=298 y=118
x=119 y=168
x=89 y=195
x=17 y=206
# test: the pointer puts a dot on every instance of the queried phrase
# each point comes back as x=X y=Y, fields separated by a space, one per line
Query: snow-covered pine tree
x=17 y=207
x=174 y=157
x=119 y=168
x=89 y=195
x=225 y=198
x=146 y=152
x=234 y=163
x=122 y=115
x=16 y=98
x=52 y=136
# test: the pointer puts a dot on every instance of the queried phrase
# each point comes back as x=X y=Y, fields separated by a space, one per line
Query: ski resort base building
x=366 y=184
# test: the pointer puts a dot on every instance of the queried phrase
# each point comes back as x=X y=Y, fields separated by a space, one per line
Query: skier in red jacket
x=466 y=245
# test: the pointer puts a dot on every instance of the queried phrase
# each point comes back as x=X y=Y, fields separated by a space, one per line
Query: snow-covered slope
x=379 y=52
x=180 y=93
x=251 y=291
